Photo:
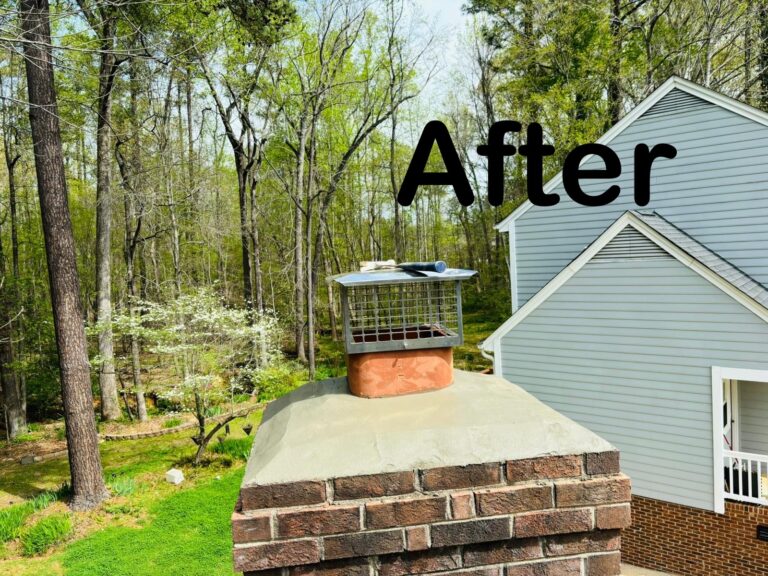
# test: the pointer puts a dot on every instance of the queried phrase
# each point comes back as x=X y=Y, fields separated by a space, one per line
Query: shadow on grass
x=188 y=534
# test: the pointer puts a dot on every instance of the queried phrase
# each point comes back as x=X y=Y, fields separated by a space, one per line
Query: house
x=650 y=327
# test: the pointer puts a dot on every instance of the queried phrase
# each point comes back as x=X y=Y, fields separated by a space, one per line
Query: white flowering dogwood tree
x=212 y=350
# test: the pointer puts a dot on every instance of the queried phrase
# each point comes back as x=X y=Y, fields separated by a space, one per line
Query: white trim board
x=719 y=374
x=626 y=219
x=671 y=83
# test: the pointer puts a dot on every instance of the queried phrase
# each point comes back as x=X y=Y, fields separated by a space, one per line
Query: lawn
x=188 y=535
x=149 y=527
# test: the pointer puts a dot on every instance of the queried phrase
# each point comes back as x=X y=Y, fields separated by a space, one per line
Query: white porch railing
x=746 y=477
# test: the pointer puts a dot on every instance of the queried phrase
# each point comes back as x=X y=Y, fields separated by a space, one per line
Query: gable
x=627 y=245
x=630 y=244
x=677 y=101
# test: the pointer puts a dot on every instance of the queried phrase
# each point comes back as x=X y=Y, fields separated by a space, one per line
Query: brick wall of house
x=694 y=542
x=551 y=516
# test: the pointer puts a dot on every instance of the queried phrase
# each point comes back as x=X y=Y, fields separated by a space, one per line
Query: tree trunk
x=88 y=488
x=110 y=402
x=133 y=224
x=14 y=390
x=298 y=232
x=398 y=223
x=15 y=413
x=242 y=196
x=763 y=56
x=614 y=67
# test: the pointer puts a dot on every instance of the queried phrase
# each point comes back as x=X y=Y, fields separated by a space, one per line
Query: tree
x=213 y=348
x=103 y=19
x=88 y=488
x=12 y=382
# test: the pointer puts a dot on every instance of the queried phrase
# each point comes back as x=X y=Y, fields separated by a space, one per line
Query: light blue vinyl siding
x=716 y=189
x=625 y=348
x=753 y=416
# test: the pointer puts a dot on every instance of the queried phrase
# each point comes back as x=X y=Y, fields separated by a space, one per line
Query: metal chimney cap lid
x=379 y=277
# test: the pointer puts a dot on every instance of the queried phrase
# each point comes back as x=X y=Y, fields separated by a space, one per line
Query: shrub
x=278 y=380
x=172 y=422
x=61 y=433
x=34 y=427
x=122 y=486
x=237 y=448
x=46 y=533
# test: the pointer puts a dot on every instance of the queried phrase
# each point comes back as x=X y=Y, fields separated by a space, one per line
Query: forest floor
x=150 y=527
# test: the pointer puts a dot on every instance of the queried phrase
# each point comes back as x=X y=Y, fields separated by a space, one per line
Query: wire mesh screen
x=402 y=316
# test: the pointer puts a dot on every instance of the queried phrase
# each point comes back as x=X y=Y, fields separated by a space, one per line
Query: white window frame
x=720 y=373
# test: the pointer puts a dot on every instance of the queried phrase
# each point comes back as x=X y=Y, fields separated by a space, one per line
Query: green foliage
x=278 y=380
x=45 y=499
x=122 y=486
x=13 y=518
x=172 y=422
x=47 y=532
x=122 y=510
x=237 y=448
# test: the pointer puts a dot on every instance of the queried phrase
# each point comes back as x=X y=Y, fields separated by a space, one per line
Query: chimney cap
x=379 y=277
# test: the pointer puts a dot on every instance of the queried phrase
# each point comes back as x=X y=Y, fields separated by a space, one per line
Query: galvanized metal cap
x=400 y=276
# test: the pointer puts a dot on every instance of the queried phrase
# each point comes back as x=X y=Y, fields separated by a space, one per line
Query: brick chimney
x=474 y=479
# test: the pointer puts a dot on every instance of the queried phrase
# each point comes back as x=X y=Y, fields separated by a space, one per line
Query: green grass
x=122 y=486
x=172 y=422
x=188 y=535
x=12 y=519
x=46 y=533
x=237 y=448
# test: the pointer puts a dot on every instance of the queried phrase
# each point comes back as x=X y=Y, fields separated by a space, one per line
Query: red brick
x=456 y=477
x=487 y=571
x=552 y=522
x=318 y=521
x=417 y=538
x=602 y=463
x=582 y=543
x=363 y=544
x=545 y=468
x=683 y=540
x=604 y=565
x=570 y=567
x=405 y=512
x=373 y=485
x=513 y=550
x=282 y=495
x=611 y=489
x=609 y=517
x=276 y=554
x=512 y=499
x=252 y=528
x=470 y=532
x=462 y=505
x=352 y=567
x=420 y=563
